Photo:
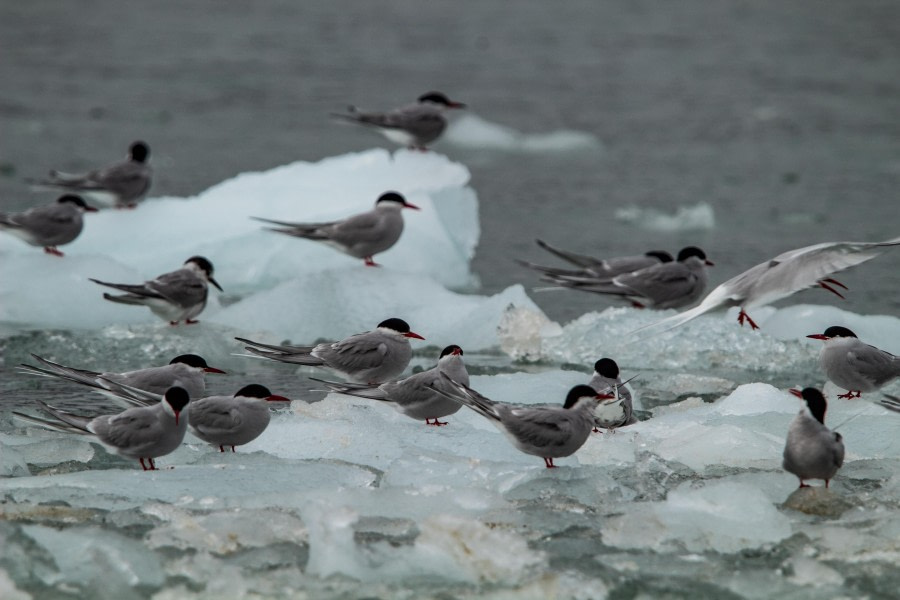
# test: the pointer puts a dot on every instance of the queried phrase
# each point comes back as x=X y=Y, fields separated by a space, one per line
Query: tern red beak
x=456 y=352
x=90 y=209
x=605 y=397
x=412 y=206
x=818 y=336
x=456 y=105
x=797 y=393
x=412 y=334
x=277 y=398
x=213 y=370
x=710 y=263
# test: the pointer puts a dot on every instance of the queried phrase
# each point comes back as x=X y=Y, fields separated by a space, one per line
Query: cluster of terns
x=165 y=401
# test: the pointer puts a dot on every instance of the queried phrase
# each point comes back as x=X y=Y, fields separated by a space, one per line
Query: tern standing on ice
x=361 y=236
x=779 y=278
x=144 y=433
x=371 y=357
x=546 y=431
x=853 y=365
x=186 y=371
x=812 y=451
x=122 y=184
x=414 y=125
x=232 y=420
x=415 y=396
x=177 y=296
x=50 y=225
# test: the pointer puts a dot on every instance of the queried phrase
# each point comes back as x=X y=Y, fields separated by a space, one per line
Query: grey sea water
x=783 y=117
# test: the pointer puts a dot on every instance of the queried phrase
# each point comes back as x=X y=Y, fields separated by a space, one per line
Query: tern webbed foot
x=436 y=422
x=850 y=394
x=52 y=250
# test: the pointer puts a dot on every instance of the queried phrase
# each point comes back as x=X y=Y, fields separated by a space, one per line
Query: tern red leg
x=52 y=250
x=595 y=430
x=851 y=394
x=152 y=465
x=221 y=448
x=436 y=423
x=742 y=316
x=232 y=448
x=824 y=283
x=803 y=485
x=144 y=467
x=371 y=263
x=549 y=463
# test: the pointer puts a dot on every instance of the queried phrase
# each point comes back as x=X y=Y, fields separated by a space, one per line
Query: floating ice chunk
x=699 y=446
x=710 y=341
x=448 y=547
x=46 y=448
x=720 y=516
x=756 y=398
x=471 y=131
x=521 y=330
x=468 y=550
x=8 y=589
x=808 y=573
x=101 y=563
x=133 y=246
x=11 y=462
x=238 y=480
x=222 y=532
x=698 y=217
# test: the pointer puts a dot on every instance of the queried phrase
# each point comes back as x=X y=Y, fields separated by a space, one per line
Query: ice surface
x=719 y=516
x=699 y=217
x=712 y=341
x=132 y=246
x=471 y=131
x=346 y=490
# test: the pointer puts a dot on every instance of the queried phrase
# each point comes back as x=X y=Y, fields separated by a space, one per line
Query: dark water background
x=784 y=116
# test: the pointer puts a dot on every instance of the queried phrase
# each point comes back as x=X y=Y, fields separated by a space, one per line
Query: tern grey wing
x=423 y=122
x=129 y=180
x=367 y=227
x=812 y=451
x=51 y=225
x=669 y=285
x=358 y=352
x=216 y=416
x=552 y=432
x=311 y=231
x=140 y=432
x=579 y=260
x=874 y=364
x=182 y=287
